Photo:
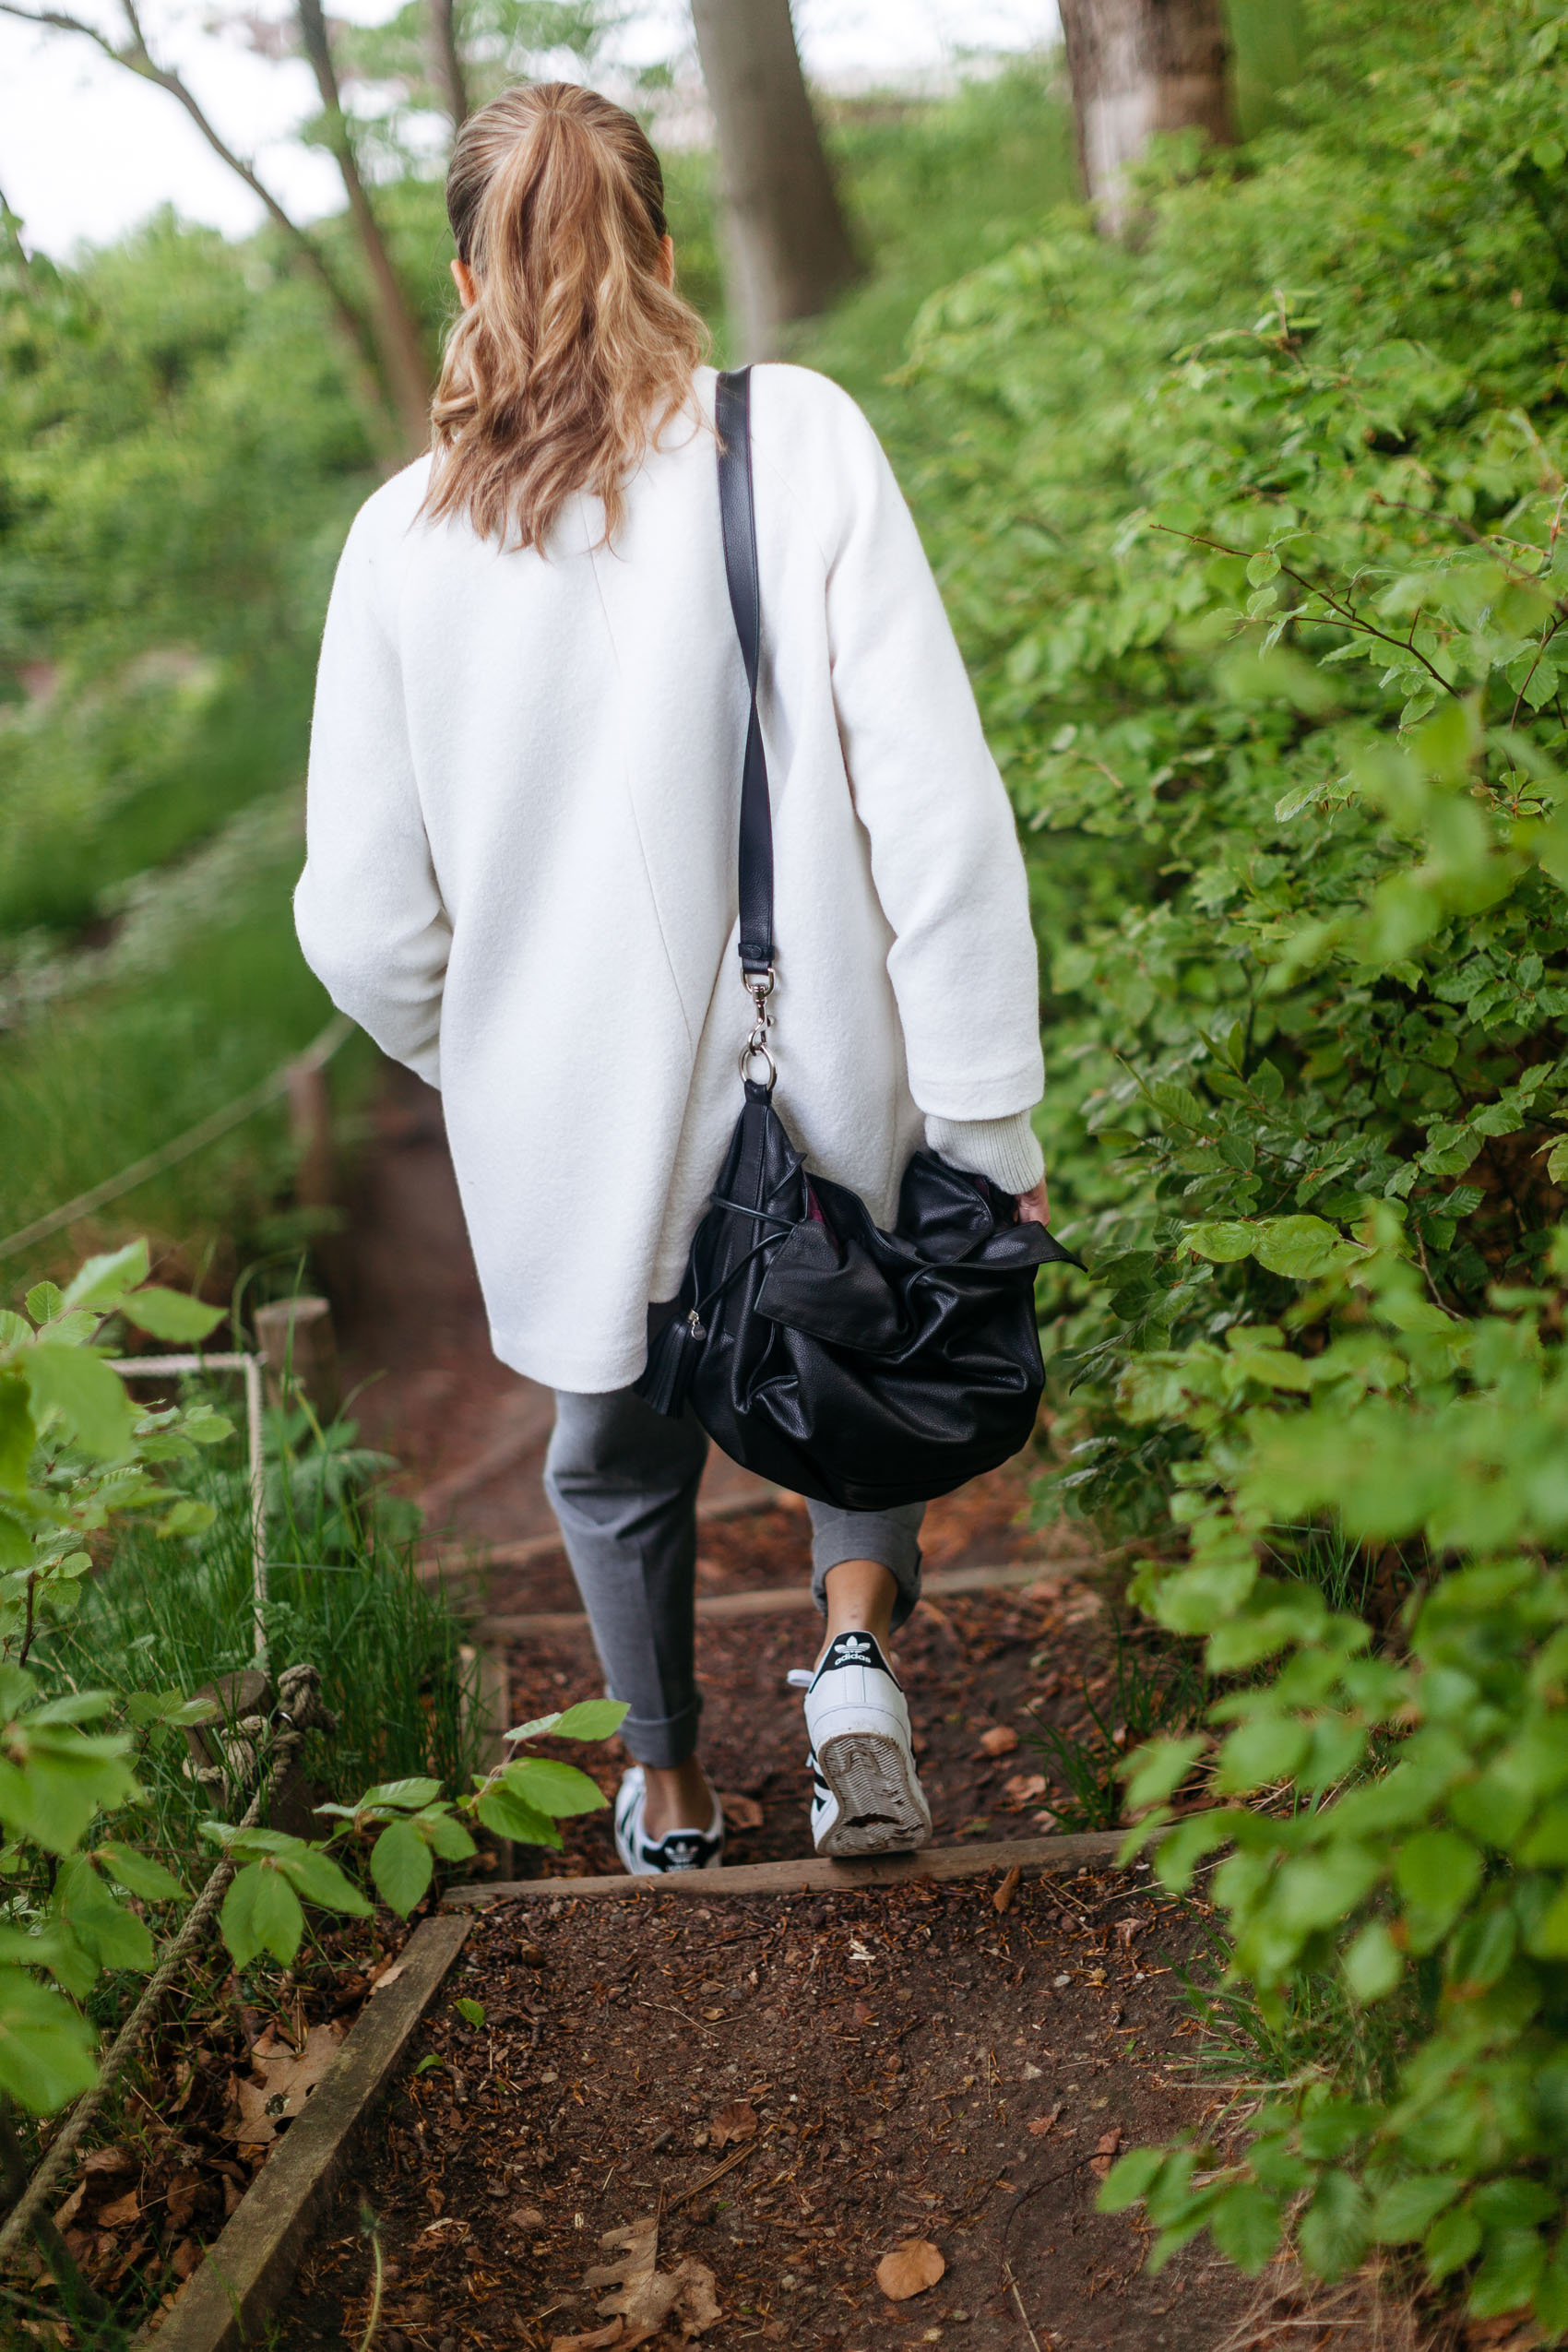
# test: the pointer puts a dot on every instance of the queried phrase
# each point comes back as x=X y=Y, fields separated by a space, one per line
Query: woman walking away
x=521 y=881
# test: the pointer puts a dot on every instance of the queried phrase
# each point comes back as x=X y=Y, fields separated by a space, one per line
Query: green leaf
x=1301 y=1247
x=1455 y=2237
x=401 y=1866
x=1510 y=2269
x=1436 y=1871
x=552 y=1788
x=505 y=1812
x=139 y=1874
x=17 y=1434
x=1407 y=2209
x=1130 y=2179
x=261 y=1913
x=187 y=1517
x=432 y=2058
x=103 y=1282
x=1373 y=1964
x=589 y=1719
x=445 y=1836
x=1156 y=1770
x=408 y=1794
x=470 y=2012
x=1319 y=1890
x=47 y=2049
x=89 y=1397
x=170 y=1315
x=319 y=1880
x=1178 y=1855
x=44 y=1302
x=1332 y=2233
x=1268 y=1749
x=1224 y=1242
x=1244 y=2224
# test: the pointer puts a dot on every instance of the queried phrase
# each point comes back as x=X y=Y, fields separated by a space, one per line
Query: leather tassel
x=672 y=1362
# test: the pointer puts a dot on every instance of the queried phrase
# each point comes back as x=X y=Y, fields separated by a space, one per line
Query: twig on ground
x=1013 y=2289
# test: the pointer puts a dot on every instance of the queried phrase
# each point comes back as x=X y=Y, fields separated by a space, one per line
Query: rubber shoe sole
x=879 y=1805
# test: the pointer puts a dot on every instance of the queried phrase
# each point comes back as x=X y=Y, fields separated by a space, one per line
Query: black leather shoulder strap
x=738 y=516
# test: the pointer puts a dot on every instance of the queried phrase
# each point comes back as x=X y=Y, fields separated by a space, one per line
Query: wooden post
x=488 y=1707
x=298 y=1346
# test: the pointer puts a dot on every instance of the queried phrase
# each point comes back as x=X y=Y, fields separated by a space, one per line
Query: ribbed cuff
x=1006 y=1150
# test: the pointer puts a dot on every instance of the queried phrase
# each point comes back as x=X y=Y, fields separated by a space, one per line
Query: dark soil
x=903 y=2064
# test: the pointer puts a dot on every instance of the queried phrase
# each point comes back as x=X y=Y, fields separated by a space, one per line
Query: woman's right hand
x=1034 y=1209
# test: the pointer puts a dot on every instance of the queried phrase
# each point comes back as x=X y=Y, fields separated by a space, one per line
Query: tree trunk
x=788 y=247
x=399 y=344
x=446 y=61
x=1138 y=67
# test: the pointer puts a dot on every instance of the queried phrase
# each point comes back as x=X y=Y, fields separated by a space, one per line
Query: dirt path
x=792 y=2086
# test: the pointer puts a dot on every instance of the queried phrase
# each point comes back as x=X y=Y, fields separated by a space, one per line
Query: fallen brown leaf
x=1041 y=2126
x=645 y=2297
x=910 y=2269
x=122 y=2213
x=282 y=2079
x=108 y=2161
x=180 y=2197
x=65 y=2214
x=187 y=2255
x=741 y=1813
x=736 y=2121
x=1003 y=1899
x=387 y=1977
x=1104 y=2155
x=1024 y=1787
x=597 y=2339
x=1000 y=1741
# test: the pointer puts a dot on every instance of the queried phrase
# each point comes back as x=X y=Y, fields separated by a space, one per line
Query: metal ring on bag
x=752 y=1050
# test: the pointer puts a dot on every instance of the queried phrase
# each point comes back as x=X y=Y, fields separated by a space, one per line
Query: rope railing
x=207 y=1131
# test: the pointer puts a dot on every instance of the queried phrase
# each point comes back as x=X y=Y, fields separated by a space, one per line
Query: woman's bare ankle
x=860 y=1598
x=677 y=1797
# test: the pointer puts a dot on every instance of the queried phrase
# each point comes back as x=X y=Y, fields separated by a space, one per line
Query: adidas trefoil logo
x=852 y=1650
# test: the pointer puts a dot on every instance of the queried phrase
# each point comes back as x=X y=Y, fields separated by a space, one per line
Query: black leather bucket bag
x=859 y=1367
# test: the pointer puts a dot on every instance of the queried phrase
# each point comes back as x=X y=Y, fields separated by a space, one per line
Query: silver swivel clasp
x=759 y=988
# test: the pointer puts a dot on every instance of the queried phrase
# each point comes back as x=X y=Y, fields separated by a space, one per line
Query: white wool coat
x=521 y=856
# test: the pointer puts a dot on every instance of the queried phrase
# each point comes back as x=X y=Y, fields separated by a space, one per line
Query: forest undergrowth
x=1253 y=529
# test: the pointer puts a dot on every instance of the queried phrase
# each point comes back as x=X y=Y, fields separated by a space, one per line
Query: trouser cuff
x=891 y=1539
x=663 y=1742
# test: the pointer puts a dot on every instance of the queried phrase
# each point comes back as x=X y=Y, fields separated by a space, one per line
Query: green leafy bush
x=1255 y=538
x=80 y=1462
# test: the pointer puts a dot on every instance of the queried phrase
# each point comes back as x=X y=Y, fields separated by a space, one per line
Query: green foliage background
x=1252 y=532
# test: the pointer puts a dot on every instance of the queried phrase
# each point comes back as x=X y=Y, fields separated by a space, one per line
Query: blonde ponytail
x=575 y=354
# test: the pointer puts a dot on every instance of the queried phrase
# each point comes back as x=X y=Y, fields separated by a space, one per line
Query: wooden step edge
x=249 y=2269
x=814 y=1875
x=462 y=1557
x=776 y=1599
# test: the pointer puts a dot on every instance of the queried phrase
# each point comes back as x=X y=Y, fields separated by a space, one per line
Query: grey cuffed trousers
x=623 y=1481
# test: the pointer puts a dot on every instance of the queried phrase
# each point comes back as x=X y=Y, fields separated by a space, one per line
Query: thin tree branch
x=446 y=61
x=1345 y=615
x=136 y=58
x=407 y=374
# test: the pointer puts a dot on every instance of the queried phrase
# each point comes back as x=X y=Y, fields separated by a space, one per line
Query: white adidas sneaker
x=866 y=1795
x=678 y=1849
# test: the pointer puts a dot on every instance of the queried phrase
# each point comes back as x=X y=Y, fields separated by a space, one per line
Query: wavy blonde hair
x=574 y=355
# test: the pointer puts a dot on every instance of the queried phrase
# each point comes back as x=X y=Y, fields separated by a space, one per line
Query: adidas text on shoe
x=866 y=1795
x=678 y=1849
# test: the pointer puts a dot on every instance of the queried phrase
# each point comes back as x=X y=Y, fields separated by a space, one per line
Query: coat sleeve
x=944 y=850
x=368 y=908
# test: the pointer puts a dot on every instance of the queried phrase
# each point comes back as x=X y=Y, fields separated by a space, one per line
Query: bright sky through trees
x=85 y=152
